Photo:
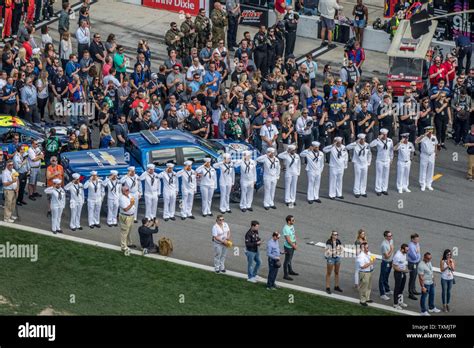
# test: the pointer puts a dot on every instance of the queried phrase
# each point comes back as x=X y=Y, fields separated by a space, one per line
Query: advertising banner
x=186 y=6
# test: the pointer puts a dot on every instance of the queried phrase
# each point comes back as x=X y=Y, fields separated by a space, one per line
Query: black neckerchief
x=78 y=189
x=60 y=194
x=385 y=146
x=316 y=155
x=293 y=159
x=339 y=152
x=95 y=186
x=208 y=171
x=272 y=163
x=134 y=181
x=170 y=178
x=190 y=176
x=152 y=178
x=361 y=150
x=247 y=167
x=114 y=186
x=227 y=168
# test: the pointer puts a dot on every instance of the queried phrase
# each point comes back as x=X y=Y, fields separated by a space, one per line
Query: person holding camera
x=146 y=231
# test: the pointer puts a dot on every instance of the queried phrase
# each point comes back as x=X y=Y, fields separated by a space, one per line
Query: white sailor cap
x=207 y=160
x=315 y=143
x=76 y=176
x=291 y=147
x=226 y=155
x=169 y=165
x=429 y=128
x=247 y=153
x=338 y=139
x=57 y=181
x=150 y=166
x=113 y=172
x=405 y=135
x=271 y=150
x=131 y=168
x=188 y=163
x=361 y=136
x=384 y=131
x=93 y=173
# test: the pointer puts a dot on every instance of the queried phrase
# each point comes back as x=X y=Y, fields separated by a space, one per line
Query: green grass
x=104 y=282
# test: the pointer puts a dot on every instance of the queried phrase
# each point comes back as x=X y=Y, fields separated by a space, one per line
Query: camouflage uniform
x=189 y=39
x=170 y=36
x=203 y=28
x=219 y=22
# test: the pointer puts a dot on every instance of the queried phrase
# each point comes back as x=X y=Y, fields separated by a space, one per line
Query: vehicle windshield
x=212 y=146
x=408 y=67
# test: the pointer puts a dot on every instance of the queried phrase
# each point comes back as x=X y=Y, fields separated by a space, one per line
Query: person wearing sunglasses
x=387 y=251
x=221 y=241
x=333 y=254
x=274 y=263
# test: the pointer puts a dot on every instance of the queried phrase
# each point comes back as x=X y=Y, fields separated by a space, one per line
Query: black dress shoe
x=204 y=215
x=135 y=221
x=293 y=273
x=173 y=218
x=229 y=211
x=110 y=225
x=97 y=225
x=294 y=203
x=363 y=304
x=80 y=228
x=379 y=193
x=267 y=208
x=273 y=207
x=32 y=197
x=340 y=197
x=332 y=198
x=385 y=193
x=60 y=231
x=73 y=229
x=250 y=209
x=210 y=214
x=55 y=232
x=243 y=210
x=48 y=214
x=287 y=278
x=223 y=270
x=364 y=195
x=191 y=217
x=317 y=201
x=357 y=196
x=91 y=226
x=183 y=218
x=310 y=202
x=166 y=219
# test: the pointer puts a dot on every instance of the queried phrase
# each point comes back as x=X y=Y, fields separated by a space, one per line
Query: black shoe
x=191 y=217
x=55 y=232
x=110 y=225
x=294 y=203
x=243 y=210
x=287 y=204
x=332 y=198
x=413 y=297
x=166 y=219
x=73 y=229
x=250 y=209
x=370 y=301
x=97 y=225
x=32 y=197
x=317 y=201
x=223 y=270
x=328 y=290
x=293 y=273
x=379 y=193
x=48 y=214
x=340 y=197
x=337 y=288
x=183 y=218
x=267 y=208
x=363 y=304
x=204 y=215
x=210 y=214
x=217 y=271
x=60 y=231
x=91 y=226
x=364 y=195
x=324 y=43
x=310 y=202
x=357 y=196
x=385 y=193
x=287 y=278
x=173 y=218
x=36 y=194
x=229 y=211
x=331 y=45
x=273 y=207
x=80 y=228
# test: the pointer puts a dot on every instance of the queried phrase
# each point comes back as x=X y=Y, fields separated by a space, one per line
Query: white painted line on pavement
x=379 y=257
x=199 y=266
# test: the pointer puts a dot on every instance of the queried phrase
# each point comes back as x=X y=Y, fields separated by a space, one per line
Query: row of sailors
x=206 y=173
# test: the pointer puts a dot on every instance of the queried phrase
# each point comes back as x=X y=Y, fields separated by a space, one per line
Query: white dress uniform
x=271 y=171
x=314 y=168
x=75 y=203
x=95 y=193
x=114 y=189
x=226 y=181
x=58 y=202
x=337 y=163
x=269 y=132
x=152 y=192
x=403 y=165
x=135 y=187
x=248 y=177
x=362 y=158
x=427 y=161
x=170 y=190
x=382 y=163
x=207 y=185
x=188 y=189
x=292 y=172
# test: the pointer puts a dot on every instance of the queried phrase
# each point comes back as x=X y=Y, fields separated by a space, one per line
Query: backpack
x=52 y=145
x=165 y=246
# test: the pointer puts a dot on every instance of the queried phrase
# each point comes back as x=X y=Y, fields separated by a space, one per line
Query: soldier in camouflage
x=219 y=22
x=190 y=35
x=203 y=29
x=173 y=39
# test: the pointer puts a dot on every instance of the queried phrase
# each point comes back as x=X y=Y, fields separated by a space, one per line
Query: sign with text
x=186 y=6
x=253 y=15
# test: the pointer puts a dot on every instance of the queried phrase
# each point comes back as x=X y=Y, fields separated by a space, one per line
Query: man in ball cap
x=226 y=181
x=314 y=168
x=248 y=177
x=271 y=174
x=76 y=189
x=114 y=187
x=337 y=164
x=208 y=184
x=384 y=147
x=362 y=157
x=405 y=150
x=133 y=182
x=293 y=169
x=269 y=134
x=58 y=202
x=95 y=193
x=188 y=189
x=152 y=190
x=170 y=190
x=428 y=149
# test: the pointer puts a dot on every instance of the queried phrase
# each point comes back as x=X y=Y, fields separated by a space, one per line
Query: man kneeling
x=146 y=232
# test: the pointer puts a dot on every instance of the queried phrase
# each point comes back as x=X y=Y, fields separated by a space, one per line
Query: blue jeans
x=251 y=269
x=446 y=290
x=430 y=292
x=385 y=269
x=272 y=273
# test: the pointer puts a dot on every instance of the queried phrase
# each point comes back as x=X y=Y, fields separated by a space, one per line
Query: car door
x=193 y=153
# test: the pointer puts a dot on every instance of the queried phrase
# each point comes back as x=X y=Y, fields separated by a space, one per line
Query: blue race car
x=159 y=148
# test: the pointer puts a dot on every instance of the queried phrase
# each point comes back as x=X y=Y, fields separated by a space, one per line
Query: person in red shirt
x=450 y=67
x=437 y=71
x=141 y=99
x=27 y=46
x=280 y=9
x=194 y=105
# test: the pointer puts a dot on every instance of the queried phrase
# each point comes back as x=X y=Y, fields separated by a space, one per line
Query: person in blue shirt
x=315 y=97
x=274 y=263
x=212 y=79
x=72 y=66
x=464 y=50
x=10 y=98
x=413 y=258
x=334 y=104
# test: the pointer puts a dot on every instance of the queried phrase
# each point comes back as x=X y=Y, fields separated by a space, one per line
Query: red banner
x=186 y=6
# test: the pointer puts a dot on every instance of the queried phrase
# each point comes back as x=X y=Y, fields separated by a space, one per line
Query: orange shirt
x=57 y=173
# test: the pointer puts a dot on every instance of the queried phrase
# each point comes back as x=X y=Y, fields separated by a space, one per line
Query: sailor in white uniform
x=114 y=189
x=226 y=181
x=428 y=149
x=170 y=190
x=76 y=190
x=292 y=172
x=58 y=202
x=248 y=178
x=152 y=190
x=208 y=183
x=271 y=174
x=132 y=181
x=95 y=193
x=314 y=168
x=337 y=164
x=384 y=158
x=188 y=189
x=362 y=157
x=405 y=150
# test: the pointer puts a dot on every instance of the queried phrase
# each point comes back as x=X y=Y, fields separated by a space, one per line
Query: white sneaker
x=430 y=188
x=422 y=188
x=400 y=191
x=397 y=307
x=385 y=297
x=14 y=217
x=425 y=314
x=407 y=190
x=434 y=310
x=252 y=280
x=404 y=305
x=9 y=220
x=258 y=278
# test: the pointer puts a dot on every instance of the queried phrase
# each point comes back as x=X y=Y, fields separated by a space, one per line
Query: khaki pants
x=365 y=286
x=126 y=223
x=99 y=69
x=10 y=196
x=470 y=167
